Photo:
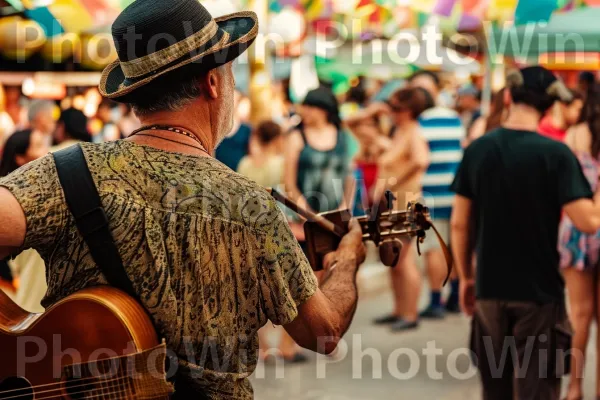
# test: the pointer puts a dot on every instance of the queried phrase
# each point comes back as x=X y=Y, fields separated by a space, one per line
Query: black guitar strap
x=85 y=205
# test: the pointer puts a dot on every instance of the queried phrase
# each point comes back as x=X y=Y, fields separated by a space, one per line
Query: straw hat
x=154 y=38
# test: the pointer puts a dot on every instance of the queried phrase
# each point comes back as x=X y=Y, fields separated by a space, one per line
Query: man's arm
x=13 y=223
x=585 y=214
x=324 y=318
x=371 y=111
x=461 y=248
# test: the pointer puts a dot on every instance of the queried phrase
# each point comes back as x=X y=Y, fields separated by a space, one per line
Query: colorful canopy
x=576 y=31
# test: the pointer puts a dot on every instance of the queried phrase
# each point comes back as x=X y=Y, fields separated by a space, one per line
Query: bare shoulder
x=295 y=139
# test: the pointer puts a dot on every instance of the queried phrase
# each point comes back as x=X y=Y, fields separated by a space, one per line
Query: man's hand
x=327 y=315
x=467 y=297
x=351 y=248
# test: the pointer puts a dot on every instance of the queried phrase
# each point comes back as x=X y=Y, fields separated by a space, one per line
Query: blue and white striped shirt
x=444 y=131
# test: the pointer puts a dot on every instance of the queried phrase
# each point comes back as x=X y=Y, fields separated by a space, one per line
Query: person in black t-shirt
x=516 y=183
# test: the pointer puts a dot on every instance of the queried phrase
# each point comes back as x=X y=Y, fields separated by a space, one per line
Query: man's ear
x=212 y=84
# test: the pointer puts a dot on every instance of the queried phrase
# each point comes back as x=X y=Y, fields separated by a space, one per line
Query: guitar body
x=98 y=343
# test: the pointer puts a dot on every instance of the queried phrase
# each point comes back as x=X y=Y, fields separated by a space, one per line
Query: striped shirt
x=444 y=131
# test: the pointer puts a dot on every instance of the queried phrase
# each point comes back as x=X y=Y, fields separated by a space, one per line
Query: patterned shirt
x=208 y=251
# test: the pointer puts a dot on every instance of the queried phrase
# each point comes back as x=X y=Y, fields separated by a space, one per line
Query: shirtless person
x=403 y=162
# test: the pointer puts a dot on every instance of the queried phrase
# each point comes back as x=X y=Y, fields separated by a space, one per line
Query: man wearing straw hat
x=208 y=252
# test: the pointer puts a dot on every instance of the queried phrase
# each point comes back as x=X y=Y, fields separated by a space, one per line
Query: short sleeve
x=37 y=189
x=572 y=183
x=287 y=279
x=463 y=184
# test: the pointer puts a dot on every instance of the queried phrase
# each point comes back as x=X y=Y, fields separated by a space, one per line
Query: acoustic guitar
x=96 y=344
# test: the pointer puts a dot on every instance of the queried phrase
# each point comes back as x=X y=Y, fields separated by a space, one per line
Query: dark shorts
x=520 y=349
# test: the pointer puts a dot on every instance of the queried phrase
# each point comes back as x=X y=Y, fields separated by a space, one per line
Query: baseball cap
x=468 y=90
x=539 y=80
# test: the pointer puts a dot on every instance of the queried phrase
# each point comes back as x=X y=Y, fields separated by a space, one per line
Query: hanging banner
x=534 y=11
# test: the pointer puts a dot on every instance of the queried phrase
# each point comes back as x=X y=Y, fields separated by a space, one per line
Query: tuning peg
x=389 y=252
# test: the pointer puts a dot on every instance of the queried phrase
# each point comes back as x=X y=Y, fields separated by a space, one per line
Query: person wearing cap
x=208 y=252
x=468 y=105
x=516 y=182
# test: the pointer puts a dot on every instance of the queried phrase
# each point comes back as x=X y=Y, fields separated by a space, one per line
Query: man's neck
x=195 y=123
x=522 y=118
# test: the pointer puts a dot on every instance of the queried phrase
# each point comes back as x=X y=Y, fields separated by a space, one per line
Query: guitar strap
x=84 y=203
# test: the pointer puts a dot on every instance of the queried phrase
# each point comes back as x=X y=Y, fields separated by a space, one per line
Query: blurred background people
x=7 y=126
x=401 y=167
x=317 y=164
x=72 y=128
x=32 y=143
x=106 y=122
x=468 y=105
x=316 y=158
x=284 y=110
x=445 y=132
x=42 y=119
x=586 y=81
x=369 y=128
x=484 y=124
x=16 y=107
x=237 y=144
x=561 y=117
x=356 y=98
x=21 y=148
x=580 y=252
x=266 y=167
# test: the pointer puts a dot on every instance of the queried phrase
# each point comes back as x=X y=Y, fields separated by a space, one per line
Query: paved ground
x=401 y=370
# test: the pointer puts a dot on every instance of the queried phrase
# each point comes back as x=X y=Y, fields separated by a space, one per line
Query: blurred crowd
x=331 y=152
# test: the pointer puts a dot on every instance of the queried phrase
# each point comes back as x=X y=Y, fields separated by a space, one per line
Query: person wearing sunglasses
x=401 y=167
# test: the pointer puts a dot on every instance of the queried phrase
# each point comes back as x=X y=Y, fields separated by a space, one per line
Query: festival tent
x=576 y=31
x=401 y=57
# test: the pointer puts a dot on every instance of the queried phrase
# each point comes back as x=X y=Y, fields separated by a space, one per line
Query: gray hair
x=36 y=107
x=171 y=96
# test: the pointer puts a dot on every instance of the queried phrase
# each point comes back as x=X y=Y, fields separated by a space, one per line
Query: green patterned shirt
x=209 y=252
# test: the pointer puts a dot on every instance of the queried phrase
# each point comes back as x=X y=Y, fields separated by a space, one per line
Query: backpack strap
x=84 y=203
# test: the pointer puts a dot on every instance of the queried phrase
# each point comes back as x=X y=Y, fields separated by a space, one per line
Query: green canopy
x=574 y=31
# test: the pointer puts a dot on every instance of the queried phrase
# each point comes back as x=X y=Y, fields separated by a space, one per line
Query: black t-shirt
x=518 y=182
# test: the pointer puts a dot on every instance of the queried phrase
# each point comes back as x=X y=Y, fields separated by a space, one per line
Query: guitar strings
x=62 y=384
x=61 y=388
x=104 y=394
x=118 y=392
